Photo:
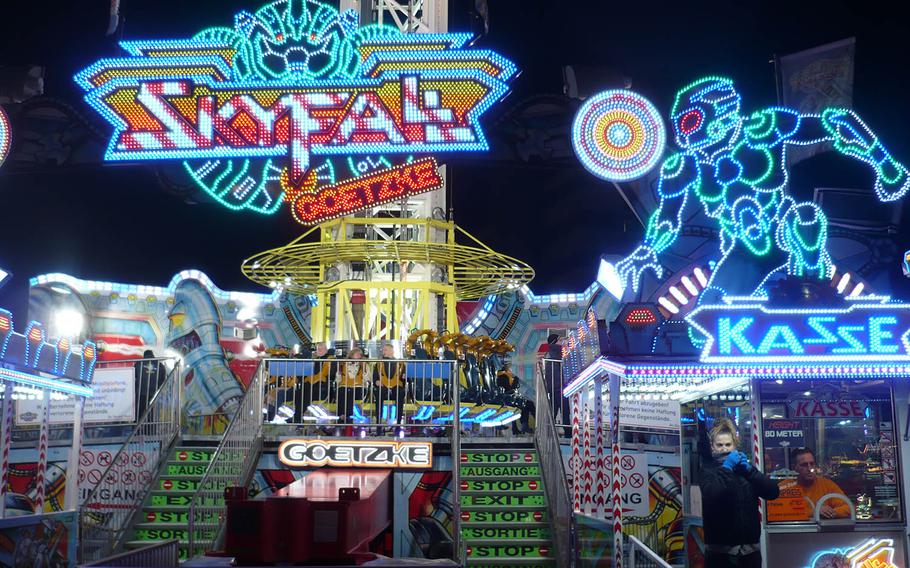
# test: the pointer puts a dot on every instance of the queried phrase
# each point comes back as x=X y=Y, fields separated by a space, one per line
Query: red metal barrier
x=328 y=515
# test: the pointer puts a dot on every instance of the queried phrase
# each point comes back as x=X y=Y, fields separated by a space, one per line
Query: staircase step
x=187 y=468
x=183 y=547
x=500 y=471
x=171 y=498
x=509 y=562
x=149 y=531
x=178 y=483
x=524 y=551
x=499 y=502
x=497 y=456
x=519 y=534
x=158 y=517
x=192 y=454
x=498 y=516
x=509 y=486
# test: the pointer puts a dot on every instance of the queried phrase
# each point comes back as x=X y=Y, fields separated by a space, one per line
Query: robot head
x=705 y=115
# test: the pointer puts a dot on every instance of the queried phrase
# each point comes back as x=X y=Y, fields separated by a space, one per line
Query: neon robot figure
x=734 y=166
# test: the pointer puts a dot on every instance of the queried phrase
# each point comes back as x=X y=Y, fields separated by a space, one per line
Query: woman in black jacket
x=730 y=488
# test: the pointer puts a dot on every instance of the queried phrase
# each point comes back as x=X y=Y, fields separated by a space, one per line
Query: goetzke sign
x=380 y=454
x=861 y=331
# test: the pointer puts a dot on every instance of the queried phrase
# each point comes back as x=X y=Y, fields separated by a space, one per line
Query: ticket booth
x=818 y=394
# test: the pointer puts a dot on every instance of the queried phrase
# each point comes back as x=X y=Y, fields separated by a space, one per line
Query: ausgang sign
x=381 y=454
x=752 y=332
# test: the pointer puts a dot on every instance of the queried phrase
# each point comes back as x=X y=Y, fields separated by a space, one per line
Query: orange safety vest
x=397 y=378
x=346 y=380
x=321 y=375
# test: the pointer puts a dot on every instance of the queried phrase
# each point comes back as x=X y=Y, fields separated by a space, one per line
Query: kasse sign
x=752 y=332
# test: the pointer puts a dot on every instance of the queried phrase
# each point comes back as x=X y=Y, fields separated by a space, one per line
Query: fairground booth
x=743 y=303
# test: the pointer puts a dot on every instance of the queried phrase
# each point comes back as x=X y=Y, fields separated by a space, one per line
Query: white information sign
x=663 y=414
x=114 y=400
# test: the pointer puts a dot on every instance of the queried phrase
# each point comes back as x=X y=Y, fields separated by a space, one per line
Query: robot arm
x=853 y=138
x=679 y=174
x=850 y=135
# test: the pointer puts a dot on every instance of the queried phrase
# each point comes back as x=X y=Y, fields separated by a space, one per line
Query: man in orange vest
x=813 y=487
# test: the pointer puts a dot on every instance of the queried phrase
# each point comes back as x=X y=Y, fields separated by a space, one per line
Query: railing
x=345 y=396
x=554 y=478
x=107 y=512
x=161 y=554
x=550 y=371
x=643 y=557
x=232 y=465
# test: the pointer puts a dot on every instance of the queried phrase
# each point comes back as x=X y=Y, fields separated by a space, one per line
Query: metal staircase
x=108 y=511
x=165 y=514
x=504 y=512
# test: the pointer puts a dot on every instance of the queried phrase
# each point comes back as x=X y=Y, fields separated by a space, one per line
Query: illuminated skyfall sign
x=383 y=454
x=293 y=98
x=751 y=332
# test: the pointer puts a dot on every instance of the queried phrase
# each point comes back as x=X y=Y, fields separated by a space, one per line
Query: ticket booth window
x=832 y=447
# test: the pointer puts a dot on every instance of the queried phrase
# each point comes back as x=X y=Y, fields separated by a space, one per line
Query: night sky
x=117 y=223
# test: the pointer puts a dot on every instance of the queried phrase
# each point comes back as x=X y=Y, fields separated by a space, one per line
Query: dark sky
x=116 y=223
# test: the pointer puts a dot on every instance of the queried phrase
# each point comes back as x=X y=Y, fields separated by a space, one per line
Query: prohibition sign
x=94 y=476
x=104 y=459
x=81 y=476
x=145 y=477
x=112 y=478
x=636 y=480
x=87 y=458
x=138 y=459
x=628 y=462
x=128 y=476
x=123 y=459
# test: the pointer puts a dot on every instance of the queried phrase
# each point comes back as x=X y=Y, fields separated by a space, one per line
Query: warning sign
x=634 y=484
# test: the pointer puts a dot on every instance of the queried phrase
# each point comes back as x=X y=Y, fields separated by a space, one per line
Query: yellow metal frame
x=472 y=271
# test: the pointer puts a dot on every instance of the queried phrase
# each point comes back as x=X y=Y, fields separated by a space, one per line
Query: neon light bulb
x=845 y=279
x=668 y=305
x=701 y=277
x=857 y=290
x=689 y=286
x=680 y=297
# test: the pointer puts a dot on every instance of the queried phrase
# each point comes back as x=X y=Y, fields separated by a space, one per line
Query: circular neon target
x=618 y=135
x=5 y=135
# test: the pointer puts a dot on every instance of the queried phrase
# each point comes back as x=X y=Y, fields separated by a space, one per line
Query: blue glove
x=731 y=461
x=744 y=462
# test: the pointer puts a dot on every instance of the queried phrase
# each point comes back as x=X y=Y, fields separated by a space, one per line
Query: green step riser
x=504 y=517
x=510 y=534
x=192 y=456
x=179 y=501
x=499 y=459
x=165 y=517
x=503 y=500
x=178 y=485
x=186 y=469
x=501 y=485
x=500 y=471
x=508 y=551
x=168 y=534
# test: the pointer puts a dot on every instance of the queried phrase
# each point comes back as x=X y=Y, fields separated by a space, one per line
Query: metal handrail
x=161 y=554
x=652 y=558
x=231 y=465
x=554 y=478
x=107 y=512
x=457 y=553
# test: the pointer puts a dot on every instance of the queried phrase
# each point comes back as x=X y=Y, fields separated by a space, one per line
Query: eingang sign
x=752 y=332
x=378 y=454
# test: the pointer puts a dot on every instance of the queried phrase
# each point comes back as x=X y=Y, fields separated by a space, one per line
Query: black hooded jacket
x=730 y=499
